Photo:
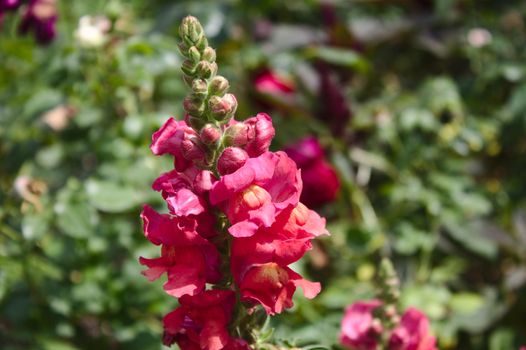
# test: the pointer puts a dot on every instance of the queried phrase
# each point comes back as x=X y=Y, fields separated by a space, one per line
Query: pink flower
x=272 y=286
x=412 y=333
x=188 y=259
x=359 y=329
x=320 y=181
x=285 y=242
x=259 y=263
x=256 y=193
x=180 y=140
x=177 y=189
x=268 y=82
x=201 y=321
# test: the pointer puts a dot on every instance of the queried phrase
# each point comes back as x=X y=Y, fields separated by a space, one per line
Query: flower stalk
x=235 y=222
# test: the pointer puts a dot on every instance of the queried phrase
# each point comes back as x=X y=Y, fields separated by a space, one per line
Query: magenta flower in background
x=360 y=331
x=40 y=18
x=6 y=5
x=320 y=181
x=412 y=333
x=269 y=82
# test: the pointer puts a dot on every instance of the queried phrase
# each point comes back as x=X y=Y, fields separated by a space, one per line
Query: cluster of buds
x=376 y=324
x=235 y=220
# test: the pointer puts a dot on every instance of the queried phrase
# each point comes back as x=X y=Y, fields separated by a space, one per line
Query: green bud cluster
x=389 y=293
x=208 y=101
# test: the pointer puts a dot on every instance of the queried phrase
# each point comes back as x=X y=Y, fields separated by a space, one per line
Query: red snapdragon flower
x=259 y=263
x=201 y=321
x=273 y=286
x=320 y=181
x=359 y=330
x=412 y=333
x=187 y=258
x=257 y=192
x=180 y=140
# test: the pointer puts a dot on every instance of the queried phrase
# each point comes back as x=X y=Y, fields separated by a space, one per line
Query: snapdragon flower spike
x=234 y=219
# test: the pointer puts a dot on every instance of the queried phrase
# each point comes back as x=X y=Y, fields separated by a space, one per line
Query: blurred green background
x=419 y=104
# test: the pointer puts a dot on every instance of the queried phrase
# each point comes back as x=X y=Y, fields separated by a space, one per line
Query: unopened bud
x=206 y=70
x=193 y=106
x=209 y=54
x=192 y=149
x=260 y=134
x=236 y=135
x=193 y=54
x=231 y=159
x=222 y=108
x=191 y=30
x=210 y=134
x=218 y=86
x=188 y=67
x=199 y=88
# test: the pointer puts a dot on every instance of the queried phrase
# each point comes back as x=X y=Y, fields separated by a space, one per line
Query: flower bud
x=210 y=134
x=231 y=159
x=193 y=54
x=188 y=67
x=191 y=30
x=218 y=86
x=222 y=108
x=199 y=88
x=206 y=69
x=192 y=149
x=209 y=54
x=193 y=106
x=236 y=135
x=260 y=134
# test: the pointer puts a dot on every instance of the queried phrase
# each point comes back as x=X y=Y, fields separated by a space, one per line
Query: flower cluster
x=235 y=220
x=39 y=17
x=361 y=330
x=376 y=324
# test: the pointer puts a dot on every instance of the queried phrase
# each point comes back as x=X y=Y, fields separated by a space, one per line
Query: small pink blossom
x=412 y=333
x=359 y=329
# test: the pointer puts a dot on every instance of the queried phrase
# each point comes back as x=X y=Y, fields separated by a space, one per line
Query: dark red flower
x=320 y=181
x=40 y=18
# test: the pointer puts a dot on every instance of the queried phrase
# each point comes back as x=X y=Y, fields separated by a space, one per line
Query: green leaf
x=111 y=197
x=338 y=56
